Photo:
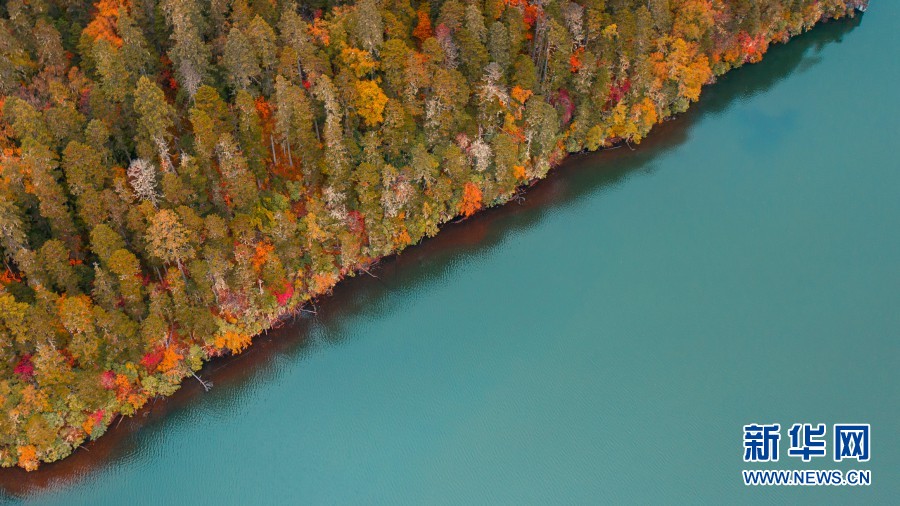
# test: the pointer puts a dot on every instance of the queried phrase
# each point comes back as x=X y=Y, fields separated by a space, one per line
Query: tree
x=210 y=118
x=136 y=52
x=394 y=57
x=127 y=269
x=336 y=156
x=26 y=122
x=103 y=26
x=472 y=52
x=190 y=54
x=370 y=102
x=685 y=68
x=239 y=183
x=168 y=239
x=55 y=261
x=116 y=79
x=293 y=126
x=422 y=30
x=499 y=45
x=49 y=46
x=13 y=319
x=28 y=458
x=471 y=201
x=156 y=120
x=83 y=168
x=12 y=230
x=76 y=315
x=369 y=25
x=15 y=62
x=42 y=165
x=540 y=133
x=105 y=241
x=662 y=15
x=239 y=60
x=142 y=176
x=250 y=132
x=262 y=42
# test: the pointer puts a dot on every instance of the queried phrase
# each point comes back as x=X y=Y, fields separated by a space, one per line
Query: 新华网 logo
x=850 y=441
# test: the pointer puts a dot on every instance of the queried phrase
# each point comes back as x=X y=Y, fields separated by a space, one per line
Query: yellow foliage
x=621 y=127
x=696 y=74
x=519 y=172
x=644 y=116
x=370 y=102
x=88 y=425
x=359 y=61
x=596 y=138
x=611 y=31
x=402 y=239
x=684 y=64
x=34 y=399
x=313 y=230
x=234 y=341
x=137 y=400
x=323 y=282
x=510 y=126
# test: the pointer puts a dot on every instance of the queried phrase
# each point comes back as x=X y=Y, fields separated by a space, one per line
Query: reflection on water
x=420 y=268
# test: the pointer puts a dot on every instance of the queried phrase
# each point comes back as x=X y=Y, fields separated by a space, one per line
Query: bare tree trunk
x=272 y=143
x=206 y=384
x=181 y=268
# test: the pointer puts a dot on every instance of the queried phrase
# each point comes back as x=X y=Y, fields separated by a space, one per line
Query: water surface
x=604 y=341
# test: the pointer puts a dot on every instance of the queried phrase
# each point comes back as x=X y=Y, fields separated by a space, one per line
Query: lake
x=604 y=340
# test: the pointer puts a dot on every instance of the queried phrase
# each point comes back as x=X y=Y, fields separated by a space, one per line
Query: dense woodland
x=177 y=176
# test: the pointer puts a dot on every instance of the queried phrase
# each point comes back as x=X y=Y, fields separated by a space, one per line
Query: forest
x=178 y=176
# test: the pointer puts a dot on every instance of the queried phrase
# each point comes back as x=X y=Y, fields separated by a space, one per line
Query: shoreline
x=475 y=233
x=258 y=331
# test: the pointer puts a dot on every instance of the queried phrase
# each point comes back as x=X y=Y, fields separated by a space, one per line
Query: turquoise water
x=604 y=341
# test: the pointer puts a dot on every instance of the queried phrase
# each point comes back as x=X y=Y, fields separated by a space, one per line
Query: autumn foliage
x=471 y=200
x=179 y=176
x=103 y=25
x=370 y=102
x=423 y=28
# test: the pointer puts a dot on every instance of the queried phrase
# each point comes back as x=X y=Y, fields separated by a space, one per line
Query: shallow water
x=603 y=341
